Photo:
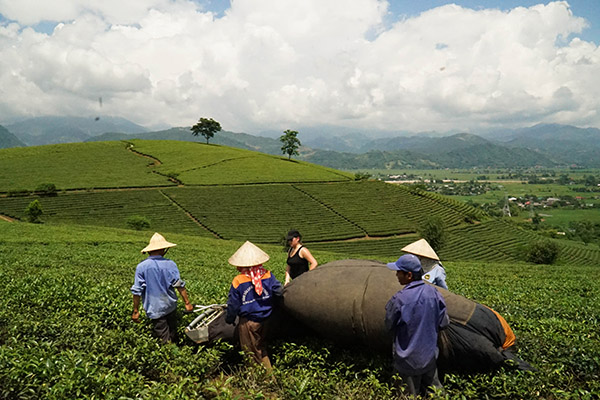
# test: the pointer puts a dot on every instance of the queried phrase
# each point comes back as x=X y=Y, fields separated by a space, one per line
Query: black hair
x=294 y=233
x=417 y=276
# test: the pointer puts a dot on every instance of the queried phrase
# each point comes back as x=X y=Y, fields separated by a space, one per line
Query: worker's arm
x=184 y=295
x=135 y=316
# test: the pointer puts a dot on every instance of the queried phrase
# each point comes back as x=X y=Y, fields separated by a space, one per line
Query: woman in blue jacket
x=251 y=298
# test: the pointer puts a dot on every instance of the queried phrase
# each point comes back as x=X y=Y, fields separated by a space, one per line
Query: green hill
x=234 y=194
x=141 y=163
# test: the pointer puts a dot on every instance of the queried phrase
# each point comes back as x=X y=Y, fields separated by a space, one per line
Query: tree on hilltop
x=290 y=143
x=206 y=127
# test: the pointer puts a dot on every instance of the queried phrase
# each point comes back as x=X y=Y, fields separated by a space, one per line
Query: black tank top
x=298 y=265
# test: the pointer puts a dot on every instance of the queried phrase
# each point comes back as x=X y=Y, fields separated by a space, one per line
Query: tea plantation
x=227 y=193
x=65 y=328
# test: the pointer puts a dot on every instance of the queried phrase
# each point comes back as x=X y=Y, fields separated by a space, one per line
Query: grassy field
x=562 y=217
x=112 y=165
x=202 y=164
x=75 y=166
x=65 y=328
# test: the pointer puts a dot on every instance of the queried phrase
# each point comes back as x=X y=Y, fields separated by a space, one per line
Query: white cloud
x=271 y=64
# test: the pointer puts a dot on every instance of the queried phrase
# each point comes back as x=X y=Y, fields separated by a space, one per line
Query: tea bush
x=138 y=222
x=543 y=251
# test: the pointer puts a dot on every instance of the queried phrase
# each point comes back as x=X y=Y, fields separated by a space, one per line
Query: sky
x=257 y=65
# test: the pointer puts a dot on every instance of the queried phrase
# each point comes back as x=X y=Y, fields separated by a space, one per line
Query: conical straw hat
x=421 y=248
x=248 y=255
x=157 y=242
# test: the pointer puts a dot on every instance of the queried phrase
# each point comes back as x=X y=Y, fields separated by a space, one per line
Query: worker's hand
x=135 y=316
x=189 y=307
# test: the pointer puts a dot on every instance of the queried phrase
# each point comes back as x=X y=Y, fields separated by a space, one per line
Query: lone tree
x=206 y=127
x=290 y=143
x=433 y=230
x=34 y=212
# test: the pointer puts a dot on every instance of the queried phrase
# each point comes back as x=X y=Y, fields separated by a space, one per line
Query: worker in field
x=414 y=315
x=434 y=272
x=155 y=282
x=299 y=259
x=251 y=297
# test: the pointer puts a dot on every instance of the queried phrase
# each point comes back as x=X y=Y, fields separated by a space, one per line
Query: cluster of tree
x=43 y=189
x=564 y=179
x=471 y=188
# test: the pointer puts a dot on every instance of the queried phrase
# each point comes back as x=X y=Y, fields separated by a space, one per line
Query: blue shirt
x=437 y=276
x=415 y=314
x=155 y=281
x=244 y=301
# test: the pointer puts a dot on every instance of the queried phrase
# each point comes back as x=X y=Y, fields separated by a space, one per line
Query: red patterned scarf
x=255 y=273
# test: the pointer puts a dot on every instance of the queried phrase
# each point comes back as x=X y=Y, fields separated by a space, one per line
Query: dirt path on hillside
x=7 y=219
x=155 y=161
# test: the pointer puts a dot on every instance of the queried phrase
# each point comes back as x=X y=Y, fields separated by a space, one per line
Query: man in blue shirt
x=156 y=279
x=415 y=314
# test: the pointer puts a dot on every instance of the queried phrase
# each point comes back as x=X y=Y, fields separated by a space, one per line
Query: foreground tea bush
x=65 y=328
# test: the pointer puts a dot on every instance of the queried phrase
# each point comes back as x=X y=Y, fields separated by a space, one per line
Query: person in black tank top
x=299 y=260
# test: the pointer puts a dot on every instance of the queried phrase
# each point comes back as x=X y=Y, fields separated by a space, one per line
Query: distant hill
x=543 y=145
x=462 y=150
x=51 y=130
x=457 y=151
x=567 y=144
x=425 y=144
x=7 y=139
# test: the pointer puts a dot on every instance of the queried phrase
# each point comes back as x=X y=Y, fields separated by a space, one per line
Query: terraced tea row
x=337 y=217
x=111 y=209
x=262 y=213
x=492 y=241
x=387 y=209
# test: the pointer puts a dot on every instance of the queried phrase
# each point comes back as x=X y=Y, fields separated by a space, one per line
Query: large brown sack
x=345 y=301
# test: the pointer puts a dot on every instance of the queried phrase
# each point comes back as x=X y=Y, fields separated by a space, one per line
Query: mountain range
x=7 y=139
x=51 y=130
x=545 y=145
